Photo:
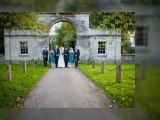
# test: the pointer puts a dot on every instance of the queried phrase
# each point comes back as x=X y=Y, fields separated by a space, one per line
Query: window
x=141 y=36
x=24 y=47
x=101 y=47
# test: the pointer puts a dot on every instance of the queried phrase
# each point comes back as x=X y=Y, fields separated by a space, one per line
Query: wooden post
x=143 y=68
x=102 y=67
x=93 y=63
x=24 y=67
x=118 y=73
x=39 y=61
x=88 y=61
x=8 y=71
x=33 y=62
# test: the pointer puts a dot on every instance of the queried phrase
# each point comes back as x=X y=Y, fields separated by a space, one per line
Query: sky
x=54 y=27
x=132 y=42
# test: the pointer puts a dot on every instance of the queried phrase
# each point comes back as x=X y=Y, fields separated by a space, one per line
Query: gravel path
x=66 y=88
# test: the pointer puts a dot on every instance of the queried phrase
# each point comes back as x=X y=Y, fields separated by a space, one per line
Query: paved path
x=66 y=88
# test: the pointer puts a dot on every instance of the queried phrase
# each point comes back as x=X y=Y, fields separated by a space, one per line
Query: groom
x=66 y=57
x=56 y=51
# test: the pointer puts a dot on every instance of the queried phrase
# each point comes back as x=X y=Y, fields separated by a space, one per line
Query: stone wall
x=2 y=61
x=83 y=45
x=12 y=45
x=113 y=49
x=128 y=58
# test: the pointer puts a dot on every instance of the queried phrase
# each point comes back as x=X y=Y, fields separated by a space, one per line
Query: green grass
x=20 y=85
x=124 y=93
x=148 y=90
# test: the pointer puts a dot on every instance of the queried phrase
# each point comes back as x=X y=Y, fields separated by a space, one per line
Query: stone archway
x=64 y=20
x=81 y=23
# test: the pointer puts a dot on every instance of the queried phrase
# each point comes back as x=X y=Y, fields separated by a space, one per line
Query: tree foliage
x=65 y=35
x=23 y=20
x=28 y=5
x=123 y=22
x=141 y=2
x=126 y=47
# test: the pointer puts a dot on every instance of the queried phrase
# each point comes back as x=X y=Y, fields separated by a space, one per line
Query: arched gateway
x=93 y=43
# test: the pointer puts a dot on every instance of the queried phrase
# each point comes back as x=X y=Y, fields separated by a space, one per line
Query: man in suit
x=77 y=55
x=45 y=56
x=57 y=52
x=66 y=57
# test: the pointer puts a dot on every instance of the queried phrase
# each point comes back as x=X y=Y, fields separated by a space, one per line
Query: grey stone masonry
x=87 y=40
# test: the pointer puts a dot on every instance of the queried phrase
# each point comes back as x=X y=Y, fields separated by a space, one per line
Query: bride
x=61 y=58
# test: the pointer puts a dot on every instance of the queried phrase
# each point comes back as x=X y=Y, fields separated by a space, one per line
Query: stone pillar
x=83 y=46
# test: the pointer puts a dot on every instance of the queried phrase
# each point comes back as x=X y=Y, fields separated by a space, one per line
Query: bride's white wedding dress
x=61 y=60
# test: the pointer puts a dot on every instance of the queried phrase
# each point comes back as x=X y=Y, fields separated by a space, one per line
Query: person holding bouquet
x=71 y=57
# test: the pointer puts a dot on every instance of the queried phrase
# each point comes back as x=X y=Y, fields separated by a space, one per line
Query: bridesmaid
x=71 y=57
x=52 y=58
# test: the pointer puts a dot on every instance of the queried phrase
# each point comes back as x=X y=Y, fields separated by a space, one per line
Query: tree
x=29 y=5
x=23 y=21
x=52 y=41
x=123 y=22
x=65 y=35
x=58 y=38
x=126 y=47
x=141 y=2
x=70 y=35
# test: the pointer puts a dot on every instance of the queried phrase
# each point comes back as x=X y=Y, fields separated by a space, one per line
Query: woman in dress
x=61 y=63
x=71 y=57
x=52 y=58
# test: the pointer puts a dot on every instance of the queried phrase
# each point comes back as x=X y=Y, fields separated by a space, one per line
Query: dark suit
x=66 y=57
x=77 y=55
x=57 y=52
x=45 y=57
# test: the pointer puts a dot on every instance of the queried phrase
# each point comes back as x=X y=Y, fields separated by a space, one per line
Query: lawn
x=12 y=92
x=148 y=88
x=122 y=94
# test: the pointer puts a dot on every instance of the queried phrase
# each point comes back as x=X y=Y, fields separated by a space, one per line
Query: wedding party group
x=61 y=57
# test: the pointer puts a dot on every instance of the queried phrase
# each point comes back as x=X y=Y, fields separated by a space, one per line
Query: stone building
x=94 y=44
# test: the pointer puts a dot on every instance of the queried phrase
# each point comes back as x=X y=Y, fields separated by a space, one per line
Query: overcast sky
x=53 y=28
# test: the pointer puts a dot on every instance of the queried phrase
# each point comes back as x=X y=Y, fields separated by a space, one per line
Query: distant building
x=147 y=28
